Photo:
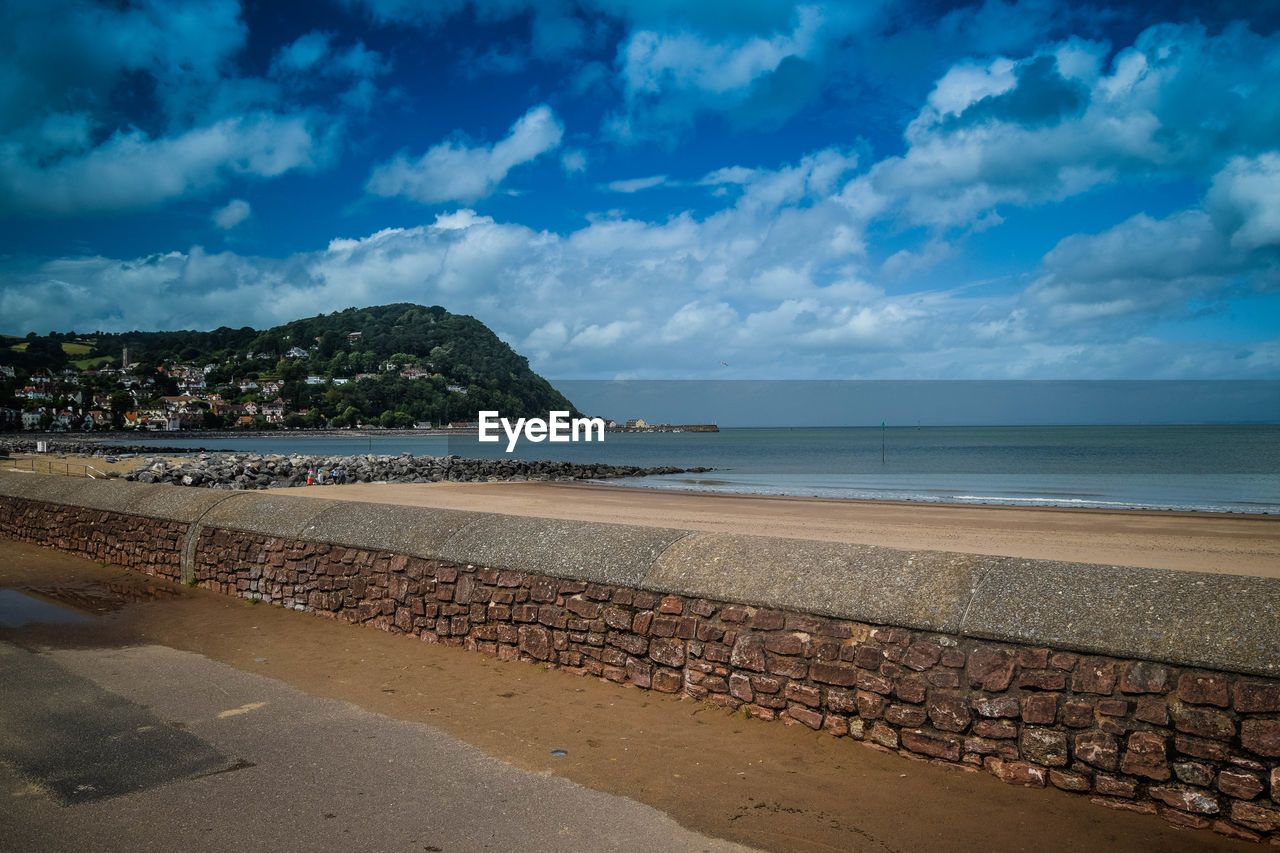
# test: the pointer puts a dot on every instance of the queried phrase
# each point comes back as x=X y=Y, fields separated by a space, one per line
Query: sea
x=1233 y=469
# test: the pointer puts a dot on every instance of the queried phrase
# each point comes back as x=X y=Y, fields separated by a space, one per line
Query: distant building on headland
x=640 y=425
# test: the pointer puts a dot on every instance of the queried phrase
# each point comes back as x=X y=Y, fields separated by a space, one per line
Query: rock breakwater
x=253 y=471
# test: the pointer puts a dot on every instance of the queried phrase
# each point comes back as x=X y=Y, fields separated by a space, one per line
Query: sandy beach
x=1199 y=542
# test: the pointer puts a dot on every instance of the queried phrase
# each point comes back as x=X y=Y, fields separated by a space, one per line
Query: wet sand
x=763 y=784
x=1198 y=542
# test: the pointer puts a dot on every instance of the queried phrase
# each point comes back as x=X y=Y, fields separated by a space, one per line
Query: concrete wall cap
x=1227 y=622
x=170 y=503
x=267 y=513
x=601 y=553
x=865 y=583
x=416 y=531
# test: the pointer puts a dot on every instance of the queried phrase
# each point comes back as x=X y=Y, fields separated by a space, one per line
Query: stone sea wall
x=1154 y=692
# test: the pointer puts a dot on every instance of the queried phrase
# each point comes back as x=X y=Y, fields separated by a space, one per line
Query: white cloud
x=574 y=161
x=635 y=185
x=228 y=217
x=1057 y=124
x=1245 y=201
x=452 y=171
x=132 y=170
x=302 y=54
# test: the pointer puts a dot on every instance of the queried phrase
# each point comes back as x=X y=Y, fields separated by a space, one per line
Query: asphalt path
x=150 y=748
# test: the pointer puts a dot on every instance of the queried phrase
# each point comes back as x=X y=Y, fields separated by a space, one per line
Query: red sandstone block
x=1202 y=722
x=784 y=644
x=868 y=656
x=1256 y=696
x=812 y=719
x=883 y=735
x=1047 y=679
x=1182 y=819
x=1040 y=708
x=871 y=706
x=1094 y=675
x=1016 y=772
x=803 y=624
x=786 y=666
x=1230 y=831
x=804 y=694
x=1261 y=737
x=996 y=729
x=1033 y=658
x=990 y=668
x=1255 y=816
x=1098 y=749
x=907 y=716
x=1145 y=755
x=922 y=655
x=910 y=689
x=1240 y=784
x=1070 y=781
x=948 y=711
x=1200 y=688
x=671 y=604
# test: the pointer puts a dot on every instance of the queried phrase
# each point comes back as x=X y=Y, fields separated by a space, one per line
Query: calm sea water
x=1209 y=468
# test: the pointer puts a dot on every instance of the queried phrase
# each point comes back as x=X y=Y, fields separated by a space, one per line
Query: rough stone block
x=1261 y=737
x=911 y=689
x=990 y=668
x=1256 y=816
x=1040 y=709
x=535 y=641
x=667 y=651
x=830 y=673
x=1098 y=749
x=945 y=748
x=810 y=718
x=1069 y=780
x=1193 y=773
x=1200 y=688
x=1145 y=755
x=1253 y=697
x=883 y=735
x=1145 y=677
x=1240 y=784
x=1152 y=709
x=1017 y=772
x=1113 y=787
x=1094 y=675
x=997 y=729
x=1044 y=746
x=907 y=716
x=922 y=655
x=870 y=705
x=948 y=711
x=1202 y=722
x=1186 y=799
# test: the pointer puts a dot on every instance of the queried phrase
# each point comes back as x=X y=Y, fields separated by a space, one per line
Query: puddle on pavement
x=17 y=608
x=105 y=596
x=77 y=602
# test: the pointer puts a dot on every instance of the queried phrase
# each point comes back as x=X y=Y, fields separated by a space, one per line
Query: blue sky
x=660 y=190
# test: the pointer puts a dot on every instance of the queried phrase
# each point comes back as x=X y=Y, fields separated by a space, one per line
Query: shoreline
x=126 y=462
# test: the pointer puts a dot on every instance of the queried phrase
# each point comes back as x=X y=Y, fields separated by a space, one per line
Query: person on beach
x=311 y=480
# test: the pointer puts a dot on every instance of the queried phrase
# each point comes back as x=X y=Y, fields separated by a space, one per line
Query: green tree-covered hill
x=401 y=363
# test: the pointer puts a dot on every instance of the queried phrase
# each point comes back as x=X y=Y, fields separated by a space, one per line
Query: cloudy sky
x=662 y=189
